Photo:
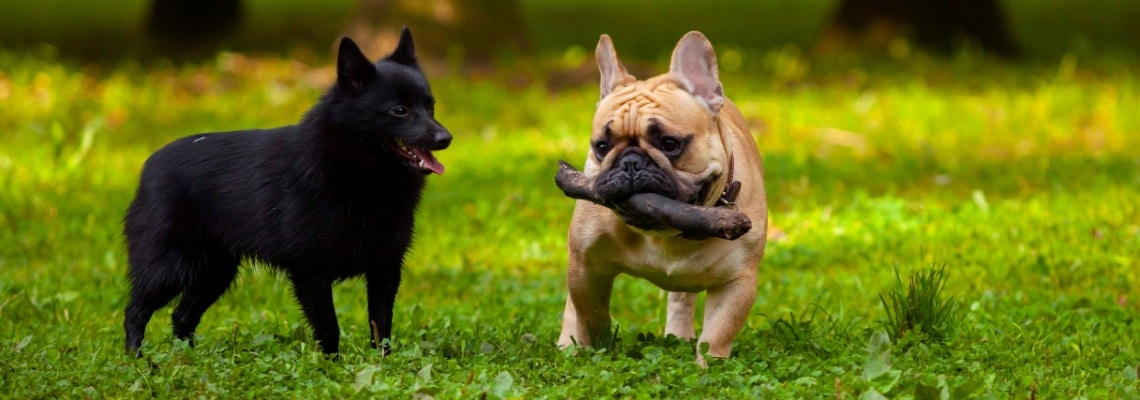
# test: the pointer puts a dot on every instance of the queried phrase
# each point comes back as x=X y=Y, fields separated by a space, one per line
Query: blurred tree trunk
x=938 y=25
x=467 y=30
x=192 y=21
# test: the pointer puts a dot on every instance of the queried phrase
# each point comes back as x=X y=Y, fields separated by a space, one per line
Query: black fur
x=328 y=199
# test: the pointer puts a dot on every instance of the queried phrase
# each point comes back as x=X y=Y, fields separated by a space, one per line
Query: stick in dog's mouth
x=694 y=222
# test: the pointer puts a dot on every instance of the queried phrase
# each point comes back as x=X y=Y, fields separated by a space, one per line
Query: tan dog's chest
x=693 y=271
x=674 y=264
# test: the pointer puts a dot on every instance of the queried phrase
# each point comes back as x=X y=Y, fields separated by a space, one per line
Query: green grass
x=919 y=309
x=1022 y=179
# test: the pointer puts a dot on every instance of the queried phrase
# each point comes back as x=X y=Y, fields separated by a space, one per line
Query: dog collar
x=727 y=197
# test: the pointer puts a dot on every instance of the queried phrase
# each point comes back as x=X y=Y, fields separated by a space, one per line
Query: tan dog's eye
x=601 y=148
x=671 y=146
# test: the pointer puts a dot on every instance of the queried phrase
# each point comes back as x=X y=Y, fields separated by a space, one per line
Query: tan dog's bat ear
x=613 y=73
x=694 y=68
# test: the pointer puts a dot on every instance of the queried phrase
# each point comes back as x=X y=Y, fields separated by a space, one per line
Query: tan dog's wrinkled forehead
x=629 y=109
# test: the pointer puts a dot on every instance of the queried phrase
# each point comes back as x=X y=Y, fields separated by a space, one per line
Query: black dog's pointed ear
x=405 y=52
x=353 y=69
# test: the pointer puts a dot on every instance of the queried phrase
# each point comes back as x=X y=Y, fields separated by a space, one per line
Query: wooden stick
x=649 y=210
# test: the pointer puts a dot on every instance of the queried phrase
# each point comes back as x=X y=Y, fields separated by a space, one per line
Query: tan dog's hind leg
x=726 y=309
x=587 y=313
x=679 y=320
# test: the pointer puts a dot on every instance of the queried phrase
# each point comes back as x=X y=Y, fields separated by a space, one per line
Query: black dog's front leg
x=382 y=287
x=315 y=296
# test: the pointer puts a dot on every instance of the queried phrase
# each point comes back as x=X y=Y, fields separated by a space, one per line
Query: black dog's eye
x=601 y=148
x=670 y=146
x=430 y=104
x=399 y=111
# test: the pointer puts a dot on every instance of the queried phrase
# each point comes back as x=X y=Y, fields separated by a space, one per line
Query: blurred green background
x=1020 y=173
x=116 y=29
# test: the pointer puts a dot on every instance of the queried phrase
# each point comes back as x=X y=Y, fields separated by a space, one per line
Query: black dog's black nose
x=440 y=140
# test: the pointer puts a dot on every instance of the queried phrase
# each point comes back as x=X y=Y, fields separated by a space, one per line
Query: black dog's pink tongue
x=428 y=160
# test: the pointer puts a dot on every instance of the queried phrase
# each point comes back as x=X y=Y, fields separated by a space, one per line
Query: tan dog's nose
x=633 y=159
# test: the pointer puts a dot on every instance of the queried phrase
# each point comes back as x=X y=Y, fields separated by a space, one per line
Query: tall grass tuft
x=920 y=306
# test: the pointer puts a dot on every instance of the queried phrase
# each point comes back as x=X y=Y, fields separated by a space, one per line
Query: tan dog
x=676 y=135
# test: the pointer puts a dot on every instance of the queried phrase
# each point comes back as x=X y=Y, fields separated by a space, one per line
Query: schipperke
x=331 y=198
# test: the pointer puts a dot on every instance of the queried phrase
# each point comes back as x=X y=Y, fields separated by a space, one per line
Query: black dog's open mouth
x=417 y=158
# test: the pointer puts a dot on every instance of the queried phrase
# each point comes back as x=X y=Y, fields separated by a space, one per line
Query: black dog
x=331 y=198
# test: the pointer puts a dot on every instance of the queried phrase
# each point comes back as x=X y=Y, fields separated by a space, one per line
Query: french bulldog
x=678 y=136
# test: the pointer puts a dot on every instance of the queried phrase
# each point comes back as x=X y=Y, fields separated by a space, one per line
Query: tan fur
x=601 y=246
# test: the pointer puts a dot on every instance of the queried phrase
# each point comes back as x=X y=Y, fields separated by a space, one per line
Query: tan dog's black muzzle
x=633 y=172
